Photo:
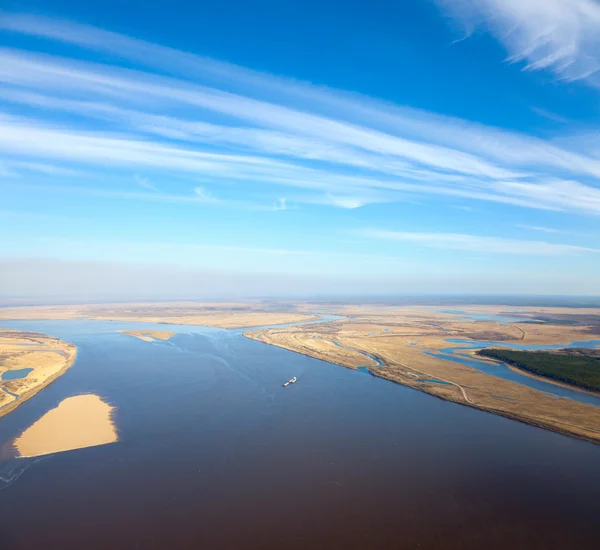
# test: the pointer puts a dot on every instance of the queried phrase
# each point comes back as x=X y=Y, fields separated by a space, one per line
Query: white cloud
x=347 y=202
x=558 y=35
x=204 y=195
x=474 y=243
x=540 y=228
x=554 y=117
x=226 y=124
x=48 y=73
x=143 y=182
x=281 y=204
x=563 y=194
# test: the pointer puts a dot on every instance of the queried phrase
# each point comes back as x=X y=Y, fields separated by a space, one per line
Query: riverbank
x=473 y=353
x=578 y=368
x=537 y=408
x=410 y=350
x=38 y=359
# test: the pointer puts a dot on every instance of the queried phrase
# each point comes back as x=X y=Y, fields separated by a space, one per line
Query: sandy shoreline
x=408 y=341
x=48 y=357
x=593 y=437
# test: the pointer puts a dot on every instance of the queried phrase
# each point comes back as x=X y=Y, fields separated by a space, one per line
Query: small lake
x=15 y=374
x=484 y=316
x=214 y=453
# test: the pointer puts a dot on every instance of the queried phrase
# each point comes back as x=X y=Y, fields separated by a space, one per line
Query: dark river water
x=215 y=454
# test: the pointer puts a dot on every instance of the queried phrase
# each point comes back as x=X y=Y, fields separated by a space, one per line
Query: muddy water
x=214 y=453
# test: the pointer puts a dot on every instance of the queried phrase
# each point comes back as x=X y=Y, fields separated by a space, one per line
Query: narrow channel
x=502 y=370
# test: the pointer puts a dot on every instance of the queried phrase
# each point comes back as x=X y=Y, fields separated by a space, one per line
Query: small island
x=28 y=363
x=149 y=335
x=579 y=367
x=76 y=423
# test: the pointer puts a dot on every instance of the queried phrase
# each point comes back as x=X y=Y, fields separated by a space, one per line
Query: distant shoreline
x=29 y=393
x=380 y=372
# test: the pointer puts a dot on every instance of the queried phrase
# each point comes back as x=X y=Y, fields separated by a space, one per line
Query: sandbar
x=149 y=335
x=77 y=422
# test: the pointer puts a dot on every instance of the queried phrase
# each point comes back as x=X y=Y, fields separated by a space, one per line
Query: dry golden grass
x=221 y=315
x=48 y=357
x=310 y=344
x=402 y=340
x=399 y=336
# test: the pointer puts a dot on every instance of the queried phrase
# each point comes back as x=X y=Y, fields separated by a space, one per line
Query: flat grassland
x=46 y=356
x=408 y=341
x=149 y=335
x=210 y=314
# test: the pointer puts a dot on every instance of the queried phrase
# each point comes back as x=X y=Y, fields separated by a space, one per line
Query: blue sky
x=299 y=148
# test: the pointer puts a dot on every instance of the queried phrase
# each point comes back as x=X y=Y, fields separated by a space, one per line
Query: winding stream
x=363 y=368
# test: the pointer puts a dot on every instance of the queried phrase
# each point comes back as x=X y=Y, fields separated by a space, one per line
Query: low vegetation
x=577 y=367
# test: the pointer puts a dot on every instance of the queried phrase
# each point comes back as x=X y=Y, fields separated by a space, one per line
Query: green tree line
x=576 y=369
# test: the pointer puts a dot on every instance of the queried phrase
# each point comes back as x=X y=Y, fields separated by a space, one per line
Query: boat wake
x=11 y=471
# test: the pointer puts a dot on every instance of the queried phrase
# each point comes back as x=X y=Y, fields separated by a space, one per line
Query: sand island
x=77 y=422
x=28 y=363
x=149 y=335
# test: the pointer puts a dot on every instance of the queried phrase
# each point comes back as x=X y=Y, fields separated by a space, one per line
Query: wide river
x=215 y=454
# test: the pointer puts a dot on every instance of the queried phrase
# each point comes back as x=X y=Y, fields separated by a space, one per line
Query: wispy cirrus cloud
x=198 y=196
x=182 y=113
x=144 y=182
x=549 y=115
x=476 y=243
x=540 y=228
x=562 y=36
